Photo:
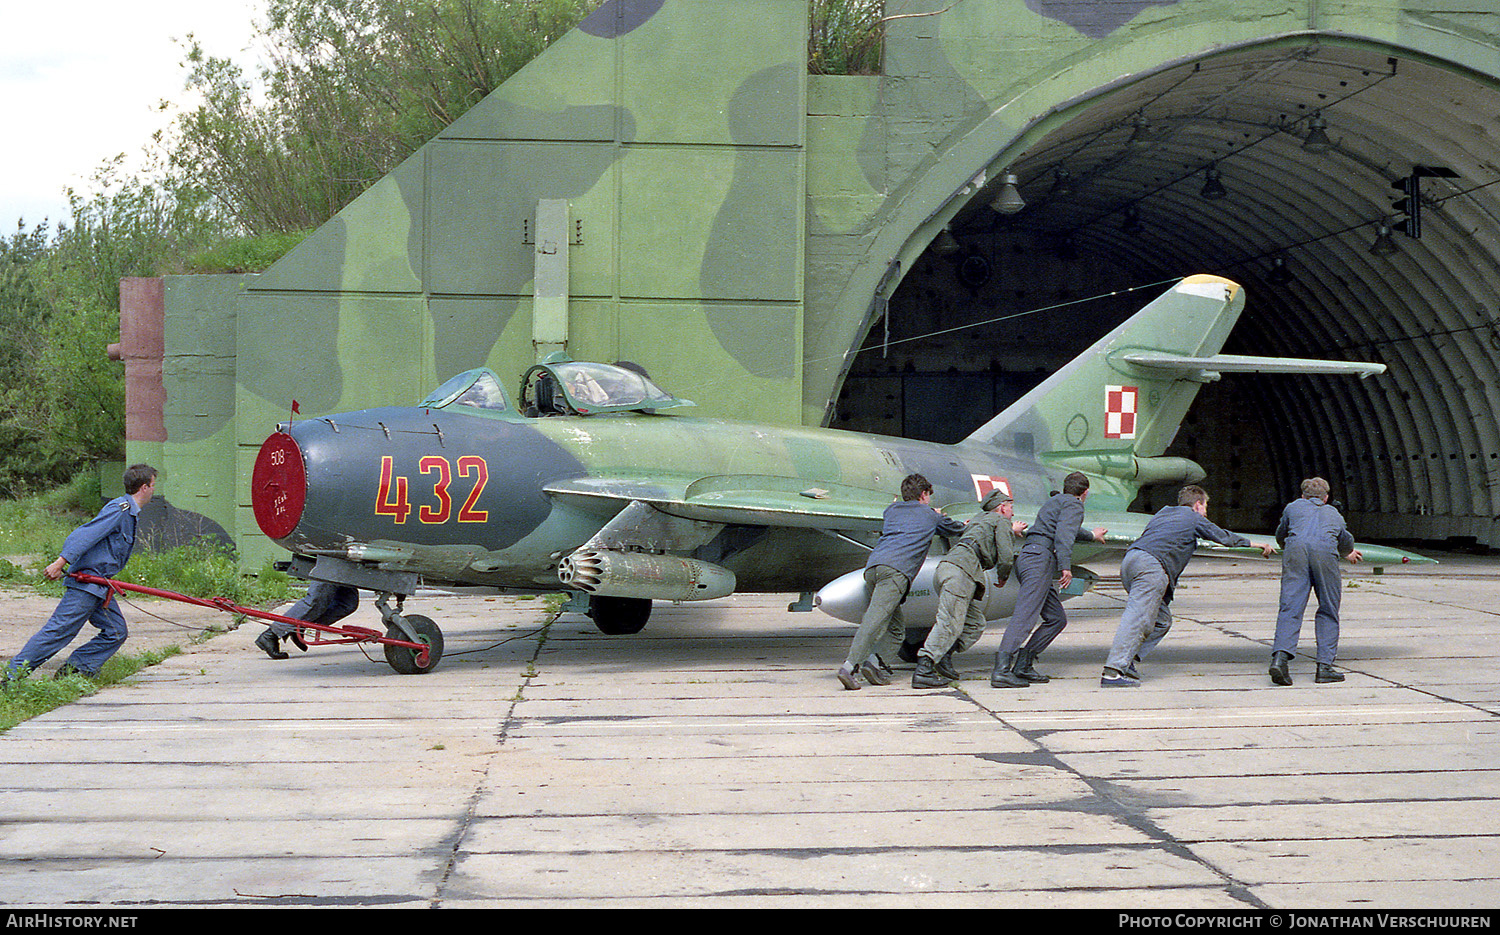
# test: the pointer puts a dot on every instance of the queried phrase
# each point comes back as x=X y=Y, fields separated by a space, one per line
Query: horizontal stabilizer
x=1125 y=528
x=1231 y=363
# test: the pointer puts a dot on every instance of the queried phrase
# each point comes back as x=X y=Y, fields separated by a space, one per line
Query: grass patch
x=208 y=569
x=37 y=525
x=252 y=254
x=204 y=569
x=25 y=698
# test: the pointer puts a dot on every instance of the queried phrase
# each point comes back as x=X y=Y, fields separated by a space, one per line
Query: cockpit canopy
x=479 y=389
x=557 y=387
x=570 y=387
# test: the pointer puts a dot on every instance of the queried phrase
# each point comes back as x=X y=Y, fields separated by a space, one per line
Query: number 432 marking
x=398 y=507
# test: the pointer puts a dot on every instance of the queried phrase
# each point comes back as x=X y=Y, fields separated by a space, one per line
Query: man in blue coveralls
x=99 y=547
x=1045 y=560
x=326 y=603
x=906 y=535
x=1150 y=570
x=1312 y=536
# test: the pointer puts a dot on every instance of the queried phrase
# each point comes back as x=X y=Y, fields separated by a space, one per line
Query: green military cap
x=994 y=499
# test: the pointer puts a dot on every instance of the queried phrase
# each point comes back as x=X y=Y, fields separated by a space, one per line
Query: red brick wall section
x=142 y=313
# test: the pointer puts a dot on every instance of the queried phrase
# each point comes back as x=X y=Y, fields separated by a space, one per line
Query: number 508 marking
x=398 y=507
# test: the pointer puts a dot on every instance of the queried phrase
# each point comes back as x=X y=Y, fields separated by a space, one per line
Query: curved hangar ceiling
x=1285 y=168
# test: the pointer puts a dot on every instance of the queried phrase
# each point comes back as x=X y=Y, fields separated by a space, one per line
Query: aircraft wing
x=737 y=499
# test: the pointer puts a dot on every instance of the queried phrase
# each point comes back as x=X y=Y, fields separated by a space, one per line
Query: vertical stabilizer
x=1100 y=403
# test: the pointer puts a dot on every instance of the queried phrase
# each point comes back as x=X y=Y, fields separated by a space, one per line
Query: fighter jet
x=592 y=480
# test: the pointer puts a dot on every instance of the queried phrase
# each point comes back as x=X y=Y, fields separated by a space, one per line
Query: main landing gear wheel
x=403 y=658
x=619 y=616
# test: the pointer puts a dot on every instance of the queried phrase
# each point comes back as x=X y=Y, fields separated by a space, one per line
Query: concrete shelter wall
x=734 y=217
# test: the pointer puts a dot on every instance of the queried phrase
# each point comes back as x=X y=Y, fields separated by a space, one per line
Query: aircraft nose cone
x=278 y=486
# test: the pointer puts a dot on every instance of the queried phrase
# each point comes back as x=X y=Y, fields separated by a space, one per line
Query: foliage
x=250 y=254
x=130 y=226
x=352 y=88
x=38 y=524
x=845 y=37
x=206 y=569
x=24 y=698
x=62 y=400
x=22 y=308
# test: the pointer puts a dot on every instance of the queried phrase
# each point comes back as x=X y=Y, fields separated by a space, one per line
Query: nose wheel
x=404 y=630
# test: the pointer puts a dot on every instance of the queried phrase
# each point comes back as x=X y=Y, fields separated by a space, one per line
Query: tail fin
x=1101 y=404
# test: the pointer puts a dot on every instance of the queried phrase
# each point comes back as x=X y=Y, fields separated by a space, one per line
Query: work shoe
x=875 y=671
x=268 y=642
x=1117 y=678
x=67 y=669
x=907 y=652
x=928 y=675
x=847 y=678
x=1001 y=675
x=1327 y=673
x=945 y=668
x=1023 y=667
x=296 y=637
x=1279 y=673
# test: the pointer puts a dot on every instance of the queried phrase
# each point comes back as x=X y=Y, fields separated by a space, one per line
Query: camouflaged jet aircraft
x=591 y=481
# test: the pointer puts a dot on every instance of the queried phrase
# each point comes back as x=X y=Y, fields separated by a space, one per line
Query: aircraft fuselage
x=498 y=500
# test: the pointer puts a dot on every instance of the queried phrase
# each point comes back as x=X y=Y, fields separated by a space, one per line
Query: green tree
x=353 y=87
x=61 y=397
x=22 y=309
x=845 y=37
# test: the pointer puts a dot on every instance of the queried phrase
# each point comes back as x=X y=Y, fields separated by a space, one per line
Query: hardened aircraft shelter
x=906 y=252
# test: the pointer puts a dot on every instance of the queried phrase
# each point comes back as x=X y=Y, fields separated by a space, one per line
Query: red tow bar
x=421 y=659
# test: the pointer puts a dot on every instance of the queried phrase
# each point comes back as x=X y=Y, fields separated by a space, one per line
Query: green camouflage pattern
x=579 y=484
x=734 y=221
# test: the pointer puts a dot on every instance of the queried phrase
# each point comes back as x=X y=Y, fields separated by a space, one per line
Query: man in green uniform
x=986 y=544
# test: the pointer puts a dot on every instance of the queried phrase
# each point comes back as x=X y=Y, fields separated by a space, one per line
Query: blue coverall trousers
x=76 y=608
x=1305 y=571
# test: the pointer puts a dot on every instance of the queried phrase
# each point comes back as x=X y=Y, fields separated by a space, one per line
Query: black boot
x=296 y=637
x=1327 y=673
x=1001 y=675
x=927 y=675
x=911 y=644
x=1023 y=667
x=1279 y=673
x=268 y=642
x=945 y=668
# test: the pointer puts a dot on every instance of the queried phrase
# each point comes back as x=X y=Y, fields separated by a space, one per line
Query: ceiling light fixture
x=1317 y=140
x=1009 y=200
x=1062 y=182
x=1385 y=244
x=1132 y=223
x=1213 y=189
x=1141 y=135
x=945 y=244
x=1280 y=272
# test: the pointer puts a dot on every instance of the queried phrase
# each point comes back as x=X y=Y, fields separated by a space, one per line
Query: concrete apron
x=714 y=760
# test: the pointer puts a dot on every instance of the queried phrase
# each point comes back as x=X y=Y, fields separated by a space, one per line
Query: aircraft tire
x=403 y=659
x=619 y=616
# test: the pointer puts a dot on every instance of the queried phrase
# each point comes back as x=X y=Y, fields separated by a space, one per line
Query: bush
x=245 y=254
x=206 y=569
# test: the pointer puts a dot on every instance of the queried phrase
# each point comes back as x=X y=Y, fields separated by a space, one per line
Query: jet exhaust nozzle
x=609 y=573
